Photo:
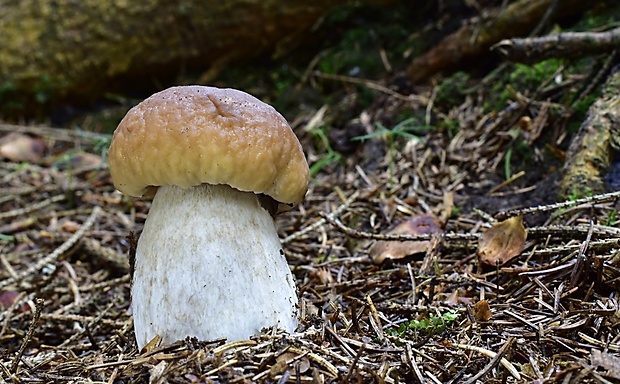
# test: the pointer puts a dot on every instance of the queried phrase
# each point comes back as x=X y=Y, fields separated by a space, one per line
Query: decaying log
x=74 y=50
x=474 y=40
x=590 y=151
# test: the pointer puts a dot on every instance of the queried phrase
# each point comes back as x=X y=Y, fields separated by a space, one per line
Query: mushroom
x=209 y=263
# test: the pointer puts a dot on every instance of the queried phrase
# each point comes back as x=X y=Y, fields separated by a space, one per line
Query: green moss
x=456 y=211
x=433 y=325
x=452 y=90
x=356 y=54
x=347 y=42
x=580 y=108
x=521 y=78
x=579 y=192
x=367 y=29
x=525 y=75
x=356 y=35
x=604 y=15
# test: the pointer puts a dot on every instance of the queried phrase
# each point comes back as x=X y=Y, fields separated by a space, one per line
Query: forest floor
x=431 y=311
x=428 y=310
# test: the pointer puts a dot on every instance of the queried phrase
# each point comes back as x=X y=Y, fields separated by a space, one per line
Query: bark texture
x=71 y=50
x=590 y=152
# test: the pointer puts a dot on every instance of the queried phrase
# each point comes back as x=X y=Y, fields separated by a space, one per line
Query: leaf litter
x=502 y=242
x=548 y=312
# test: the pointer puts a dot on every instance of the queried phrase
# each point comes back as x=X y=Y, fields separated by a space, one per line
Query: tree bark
x=65 y=50
x=590 y=152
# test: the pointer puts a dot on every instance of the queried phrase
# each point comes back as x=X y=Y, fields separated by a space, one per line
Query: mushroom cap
x=192 y=135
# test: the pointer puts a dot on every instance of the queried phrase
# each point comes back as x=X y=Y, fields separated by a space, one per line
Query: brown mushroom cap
x=191 y=135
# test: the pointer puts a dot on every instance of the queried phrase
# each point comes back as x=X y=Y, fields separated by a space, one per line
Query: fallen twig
x=496 y=357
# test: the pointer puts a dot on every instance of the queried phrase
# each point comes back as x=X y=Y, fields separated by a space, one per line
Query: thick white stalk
x=209 y=264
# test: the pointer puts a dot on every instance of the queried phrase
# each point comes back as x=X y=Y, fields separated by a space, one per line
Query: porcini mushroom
x=209 y=263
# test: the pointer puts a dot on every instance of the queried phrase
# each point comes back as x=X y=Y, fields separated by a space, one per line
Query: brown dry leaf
x=283 y=361
x=502 y=242
x=151 y=345
x=8 y=298
x=85 y=159
x=415 y=225
x=70 y=226
x=482 y=311
x=18 y=147
x=457 y=298
x=157 y=373
x=453 y=299
x=76 y=160
x=323 y=275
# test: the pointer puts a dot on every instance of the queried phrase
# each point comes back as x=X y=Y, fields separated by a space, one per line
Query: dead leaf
x=287 y=360
x=502 y=242
x=8 y=298
x=76 y=160
x=151 y=345
x=457 y=298
x=157 y=373
x=453 y=299
x=85 y=159
x=415 y=225
x=18 y=147
x=323 y=275
x=482 y=311
x=70 y=226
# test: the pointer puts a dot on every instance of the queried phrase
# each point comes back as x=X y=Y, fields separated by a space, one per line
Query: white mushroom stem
x=209 y=264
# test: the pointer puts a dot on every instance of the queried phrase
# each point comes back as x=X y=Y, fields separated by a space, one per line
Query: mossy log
x=75 y=50
x=590 y=152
